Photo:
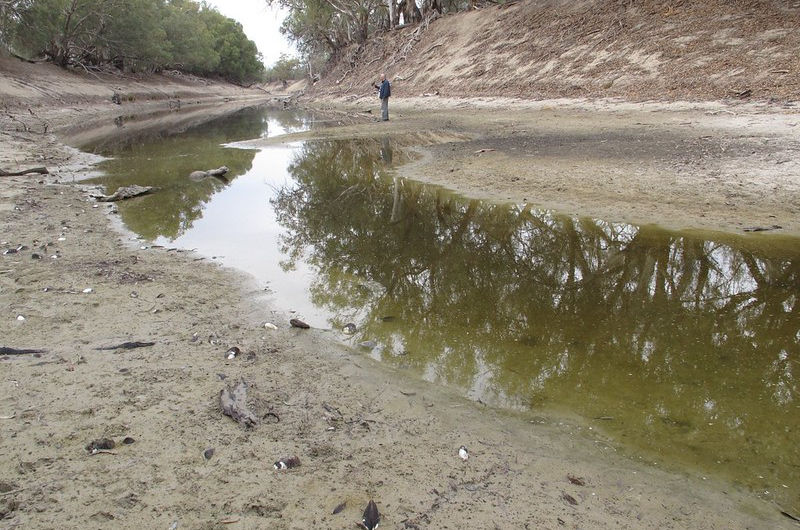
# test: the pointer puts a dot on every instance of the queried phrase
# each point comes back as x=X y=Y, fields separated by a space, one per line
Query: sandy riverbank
x=360 y=429
x=704 y=166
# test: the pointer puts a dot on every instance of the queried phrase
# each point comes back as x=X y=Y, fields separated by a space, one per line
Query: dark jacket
x=385 y=90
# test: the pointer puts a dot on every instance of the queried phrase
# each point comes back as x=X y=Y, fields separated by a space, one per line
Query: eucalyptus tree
x=134 y=35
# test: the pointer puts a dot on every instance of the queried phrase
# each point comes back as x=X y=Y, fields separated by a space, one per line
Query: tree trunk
x=392 y=13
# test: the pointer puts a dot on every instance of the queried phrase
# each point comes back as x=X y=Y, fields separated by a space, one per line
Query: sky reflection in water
x=681 y=346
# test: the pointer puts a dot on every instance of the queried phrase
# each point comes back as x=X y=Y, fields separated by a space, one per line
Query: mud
x=360 y=430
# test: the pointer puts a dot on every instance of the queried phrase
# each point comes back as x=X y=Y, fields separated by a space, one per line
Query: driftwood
x=234 y=404
x=39 y=170
x=127 y=346
x=761 y=228
x=5 y=350
x=126 y=192
x=219 y=173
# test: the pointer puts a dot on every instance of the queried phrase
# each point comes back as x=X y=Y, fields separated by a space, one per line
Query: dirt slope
x=555 y=48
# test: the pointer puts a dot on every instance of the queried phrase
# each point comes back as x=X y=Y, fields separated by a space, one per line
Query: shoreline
x=361 y=429
x=681 y=165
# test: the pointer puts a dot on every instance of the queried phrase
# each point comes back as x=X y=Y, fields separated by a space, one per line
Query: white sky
x=261 y=24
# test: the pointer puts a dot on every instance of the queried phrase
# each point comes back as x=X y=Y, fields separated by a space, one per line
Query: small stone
x=298 y=324
x=208 y=453
x=233 y=352
x=286 y=463
x=349 y=329
x=88 y=290
x=20 y=318
x=270 y=325
x=100 y=444
x=128 y=440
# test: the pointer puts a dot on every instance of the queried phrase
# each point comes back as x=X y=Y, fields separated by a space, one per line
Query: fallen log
x=234 y=404
x=126 y=192
x=39 y=170
x=219 y=173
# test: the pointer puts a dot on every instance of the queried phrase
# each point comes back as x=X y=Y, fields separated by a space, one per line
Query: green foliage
x=239 y=59
x=190 y=41
x=132 y=34
x=284 y=69
x=322 y=28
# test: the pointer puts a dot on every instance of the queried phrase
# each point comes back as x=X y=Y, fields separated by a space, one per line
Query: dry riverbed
x=360 y=430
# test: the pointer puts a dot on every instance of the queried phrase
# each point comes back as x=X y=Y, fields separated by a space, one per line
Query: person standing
x=384 y=91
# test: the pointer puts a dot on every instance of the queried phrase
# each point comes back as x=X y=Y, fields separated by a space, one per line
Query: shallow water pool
x=683 y=347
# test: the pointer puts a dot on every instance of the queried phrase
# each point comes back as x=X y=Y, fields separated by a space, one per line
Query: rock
x=298 y=324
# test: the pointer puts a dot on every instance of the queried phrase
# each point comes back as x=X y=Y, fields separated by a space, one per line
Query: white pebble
x=20 y=318
x=62 y=238
x=270 y=325
x=88 y=290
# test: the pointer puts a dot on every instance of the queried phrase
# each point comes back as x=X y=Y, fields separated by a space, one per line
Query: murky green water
x=684 y=348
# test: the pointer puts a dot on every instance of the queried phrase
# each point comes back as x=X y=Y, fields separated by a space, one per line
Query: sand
x=361 y=430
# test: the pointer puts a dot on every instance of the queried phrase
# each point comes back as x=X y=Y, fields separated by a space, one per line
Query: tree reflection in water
x=686 y=346
x=164 y=158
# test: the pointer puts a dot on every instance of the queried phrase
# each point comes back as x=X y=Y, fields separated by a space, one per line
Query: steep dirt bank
x=683 y=115
x=601 y=49
x=29 y=87
x=42 y=98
